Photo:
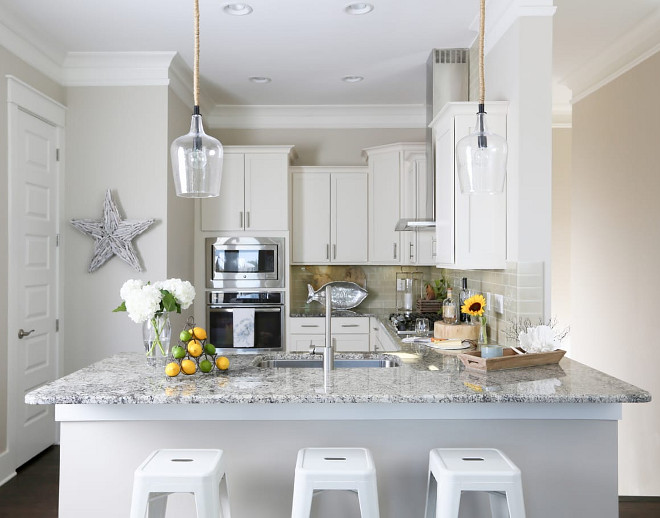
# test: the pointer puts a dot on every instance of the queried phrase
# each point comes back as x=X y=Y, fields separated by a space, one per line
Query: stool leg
x=448 y=501
x=514 y=497
x=302 y=499
x=224 y=497
x=208 y=504
x=431 y=495
x=498 y=505
x=368 y=497
x=158 y=505
x=139 y=502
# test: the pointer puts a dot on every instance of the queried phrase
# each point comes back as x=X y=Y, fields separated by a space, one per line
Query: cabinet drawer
x=340 y=325
x=302 y=343
x=352 y=343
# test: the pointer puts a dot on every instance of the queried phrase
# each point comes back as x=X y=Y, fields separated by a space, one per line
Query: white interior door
x=33 y=278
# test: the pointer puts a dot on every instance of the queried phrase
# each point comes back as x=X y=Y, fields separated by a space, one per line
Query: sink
x=340 y=363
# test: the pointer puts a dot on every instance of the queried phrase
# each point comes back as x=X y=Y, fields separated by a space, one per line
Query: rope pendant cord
x=482 y=84
x=196 y=57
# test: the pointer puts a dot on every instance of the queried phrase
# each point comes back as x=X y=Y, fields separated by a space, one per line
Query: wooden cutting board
x=458 y=331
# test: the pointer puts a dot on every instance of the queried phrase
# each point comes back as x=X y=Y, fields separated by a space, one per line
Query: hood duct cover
x=447 y=80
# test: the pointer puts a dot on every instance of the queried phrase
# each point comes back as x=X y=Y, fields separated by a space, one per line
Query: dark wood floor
x=33 y=492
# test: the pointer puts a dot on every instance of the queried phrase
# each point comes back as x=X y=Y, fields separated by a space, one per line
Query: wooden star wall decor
x=112 y=235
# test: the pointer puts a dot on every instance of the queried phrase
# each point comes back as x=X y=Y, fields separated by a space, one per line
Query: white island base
x=567 y=453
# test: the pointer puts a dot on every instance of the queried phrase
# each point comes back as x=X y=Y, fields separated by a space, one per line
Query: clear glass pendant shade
x=197 y=162
x=481 y=160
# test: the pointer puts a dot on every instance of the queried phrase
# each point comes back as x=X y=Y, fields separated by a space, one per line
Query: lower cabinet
x=351 y=334
x=381 y=341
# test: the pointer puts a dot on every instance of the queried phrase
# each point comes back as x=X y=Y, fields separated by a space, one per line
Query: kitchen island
x=558 y=423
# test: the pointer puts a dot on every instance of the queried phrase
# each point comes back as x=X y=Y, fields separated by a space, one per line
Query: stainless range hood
x=447 y=80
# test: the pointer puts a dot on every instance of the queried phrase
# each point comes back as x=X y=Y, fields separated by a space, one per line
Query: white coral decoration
x=183 y=291
x=142 y=304
x=539 y=339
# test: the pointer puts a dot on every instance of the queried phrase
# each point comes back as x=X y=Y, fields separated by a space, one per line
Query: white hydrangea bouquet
x=150 y=304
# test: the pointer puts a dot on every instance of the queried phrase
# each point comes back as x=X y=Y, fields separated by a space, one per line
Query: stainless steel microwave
x=245 y=262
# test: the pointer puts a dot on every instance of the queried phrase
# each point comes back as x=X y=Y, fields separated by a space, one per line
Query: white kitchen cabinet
x=349 y=333
x=397 y=189
x=380 y=338
x=253 y=192
x=329 y=215
x=470 y=229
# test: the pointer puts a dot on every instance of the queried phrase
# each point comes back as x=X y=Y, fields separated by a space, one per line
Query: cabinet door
x=302 y=343
x=444 y=195
x=384 y=241
x=310 y=233
x=226 y=212
x=348 y=343
x=349 y=218
x=426 y=248
x=266 y=192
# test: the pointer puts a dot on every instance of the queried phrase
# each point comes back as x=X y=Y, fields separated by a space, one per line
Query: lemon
x=209 y=349
x=194 y=348
x=222 y=363
x=172 y=369
x=199 y=333
x=178 y=352
x=205 y=366
x=188 y=367
x=185 y=336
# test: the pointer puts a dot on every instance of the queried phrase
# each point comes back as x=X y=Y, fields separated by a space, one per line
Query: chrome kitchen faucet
x=328 y=347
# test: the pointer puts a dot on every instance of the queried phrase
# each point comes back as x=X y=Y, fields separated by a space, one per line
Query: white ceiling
x=306 y=46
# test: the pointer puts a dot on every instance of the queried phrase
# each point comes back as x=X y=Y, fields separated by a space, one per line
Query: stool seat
x=196 y=471
x=350 y=469
x=452 y=470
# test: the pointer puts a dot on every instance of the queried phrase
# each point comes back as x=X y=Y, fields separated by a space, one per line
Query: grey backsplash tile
x=521 y=284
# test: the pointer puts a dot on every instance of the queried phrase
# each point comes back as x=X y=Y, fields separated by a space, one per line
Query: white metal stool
x=335 y=468
x=200 y=472
x=452 y=470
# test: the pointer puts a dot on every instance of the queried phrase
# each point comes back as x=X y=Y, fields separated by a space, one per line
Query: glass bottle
x=463 y=295
x=449 y=313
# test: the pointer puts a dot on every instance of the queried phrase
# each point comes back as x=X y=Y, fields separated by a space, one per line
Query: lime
x=185 y=336
x=195 y=348
x=209 y=349
x=178 y=352
x=222 y=363
x=188 y=366
x=172 y=369
x=205 y=366
x=199 y=333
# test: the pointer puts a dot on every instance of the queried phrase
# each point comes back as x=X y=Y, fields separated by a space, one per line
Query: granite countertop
x=316 y=310
x=426 y=376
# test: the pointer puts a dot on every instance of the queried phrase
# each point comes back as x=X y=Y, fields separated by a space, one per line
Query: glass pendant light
x=481 y=156
x=196 y=157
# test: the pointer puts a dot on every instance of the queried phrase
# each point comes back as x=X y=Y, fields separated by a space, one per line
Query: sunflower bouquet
x=475 y=306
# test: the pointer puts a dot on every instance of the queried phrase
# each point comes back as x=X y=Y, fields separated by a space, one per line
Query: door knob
x=22 y=333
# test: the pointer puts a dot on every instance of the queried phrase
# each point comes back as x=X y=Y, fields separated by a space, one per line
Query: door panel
x=227 y=211
x=349 y=225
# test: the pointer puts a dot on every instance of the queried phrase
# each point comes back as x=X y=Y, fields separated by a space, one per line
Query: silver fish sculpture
x=345 y=295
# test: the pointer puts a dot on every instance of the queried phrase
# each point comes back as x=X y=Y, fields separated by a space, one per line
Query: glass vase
x=156 y=334
x=483 y=330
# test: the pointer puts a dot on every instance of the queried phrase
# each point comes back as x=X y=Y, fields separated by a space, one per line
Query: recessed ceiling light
x=237 y=9
x=359 y=8
x=352 y=79
x=260 y=79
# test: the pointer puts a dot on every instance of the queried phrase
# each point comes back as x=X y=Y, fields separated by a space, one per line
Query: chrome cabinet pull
x=22 y=334
x=394 y=250
x=334 y=251
x=434 y=244
x=350 y=325
x=247 y=219
x=410 y=252
x=241 y=223
x=309 y=325
x=327 y=251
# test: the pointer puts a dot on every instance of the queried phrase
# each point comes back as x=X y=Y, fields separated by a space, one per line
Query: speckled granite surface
x=426 y=376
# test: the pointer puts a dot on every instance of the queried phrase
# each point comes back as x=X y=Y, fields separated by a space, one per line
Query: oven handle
x=271 y=309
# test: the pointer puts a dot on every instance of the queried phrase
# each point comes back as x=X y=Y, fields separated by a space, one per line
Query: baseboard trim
x=7 y=478
x=639 y=499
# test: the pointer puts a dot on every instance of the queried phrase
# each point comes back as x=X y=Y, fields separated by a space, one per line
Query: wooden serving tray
x=510 y=360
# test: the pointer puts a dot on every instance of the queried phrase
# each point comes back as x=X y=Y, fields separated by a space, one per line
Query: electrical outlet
x=498 y=307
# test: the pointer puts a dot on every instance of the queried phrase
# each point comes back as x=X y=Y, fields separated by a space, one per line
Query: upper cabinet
x=329 y=215
x=470 y=229
x=254 y=193
x=397 y=189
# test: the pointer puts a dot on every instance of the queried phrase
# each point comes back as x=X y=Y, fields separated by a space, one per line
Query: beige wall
x=615 y=244
x=116 y=139
x=321 y=146
x=11 y=65
x=561 y=229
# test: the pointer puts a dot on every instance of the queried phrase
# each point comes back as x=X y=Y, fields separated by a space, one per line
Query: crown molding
x=117 y=68
x=321 y=116
x=562 y=115
x=637 y=45
x=27 y=45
